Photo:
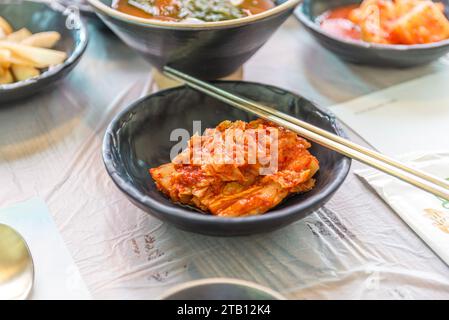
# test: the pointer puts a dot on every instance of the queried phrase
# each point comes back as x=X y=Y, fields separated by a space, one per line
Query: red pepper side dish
x=237 y=188
x=388 y=22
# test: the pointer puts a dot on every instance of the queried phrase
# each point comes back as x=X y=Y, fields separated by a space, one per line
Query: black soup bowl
x=209 y=50
x=38 y=16
x=363 y=52
x=139 y=139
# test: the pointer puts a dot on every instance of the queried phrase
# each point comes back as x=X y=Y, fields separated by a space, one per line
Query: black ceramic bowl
x=221 y=289
x=38 y=17
x=209 y=50
x=363 y=52
x=139 y=139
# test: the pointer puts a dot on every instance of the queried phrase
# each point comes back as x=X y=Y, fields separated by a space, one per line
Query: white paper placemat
x=411 y=118
x=403 y=118
x=56 y=275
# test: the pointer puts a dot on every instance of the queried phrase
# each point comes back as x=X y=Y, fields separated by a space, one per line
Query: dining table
x=354 y=247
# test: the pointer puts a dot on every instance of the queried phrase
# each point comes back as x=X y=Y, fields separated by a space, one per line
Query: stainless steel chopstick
x=372 y=158
x=184 y=77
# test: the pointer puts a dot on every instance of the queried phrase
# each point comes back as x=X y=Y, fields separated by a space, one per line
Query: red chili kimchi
x=238 y=169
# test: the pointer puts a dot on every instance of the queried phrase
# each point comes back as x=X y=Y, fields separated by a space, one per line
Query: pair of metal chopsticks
x=418 y=178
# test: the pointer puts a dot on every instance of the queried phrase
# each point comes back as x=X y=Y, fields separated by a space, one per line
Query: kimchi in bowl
x=138 y=139
x=368 y=53
x=208 y=50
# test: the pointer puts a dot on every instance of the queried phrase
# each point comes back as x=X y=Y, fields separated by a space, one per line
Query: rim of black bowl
x=308 y=22
x=76 y=54
x=182 y=287
x=109 y=11
x=183 y=213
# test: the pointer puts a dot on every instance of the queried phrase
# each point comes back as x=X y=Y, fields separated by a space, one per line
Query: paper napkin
x=425 y=213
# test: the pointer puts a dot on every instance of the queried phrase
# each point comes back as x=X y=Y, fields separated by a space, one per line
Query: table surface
x=353 y=248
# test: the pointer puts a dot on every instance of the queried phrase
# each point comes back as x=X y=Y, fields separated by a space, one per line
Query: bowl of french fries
x=386 y=33
x=38 y=47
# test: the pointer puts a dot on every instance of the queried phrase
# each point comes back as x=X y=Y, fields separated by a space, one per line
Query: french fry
x=5 y=64
x=42 y=39
x=19 y=35
x=4 y=54
x=41 y=57
x=7 y=58
x=22 y=53
x=5 y=26
x=24 y=72
x=6 y=77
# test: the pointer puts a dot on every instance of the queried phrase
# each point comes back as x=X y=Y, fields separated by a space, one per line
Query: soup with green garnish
x=193 y=10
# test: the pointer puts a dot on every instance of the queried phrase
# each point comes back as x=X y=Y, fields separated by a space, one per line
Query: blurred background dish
x=376 y=54
x=221 y=289
x=193 y=10
x=39 y=17
x=139 y=139
x=16 y=265
x=208 y=50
